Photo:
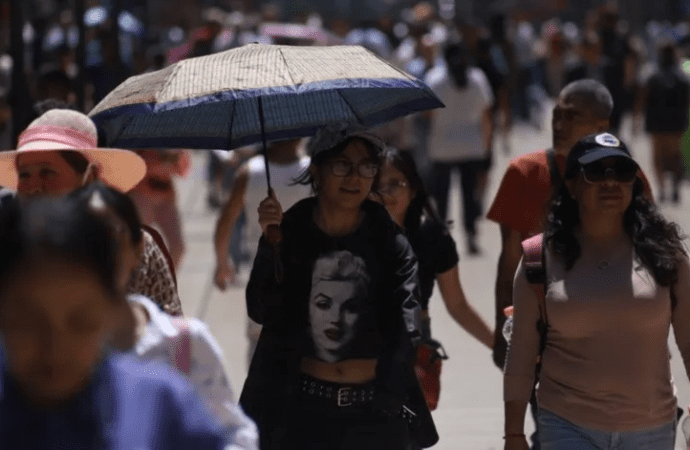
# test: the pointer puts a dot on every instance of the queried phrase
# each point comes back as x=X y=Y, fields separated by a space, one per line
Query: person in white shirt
x=461 y=134
x=183 y=343
x=287 y=162
x=187 y=345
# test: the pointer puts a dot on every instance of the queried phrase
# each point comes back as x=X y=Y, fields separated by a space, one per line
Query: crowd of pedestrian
x=345 y=249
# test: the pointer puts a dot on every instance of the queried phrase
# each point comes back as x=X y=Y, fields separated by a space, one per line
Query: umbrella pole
x=274 y=235
x=265 y=147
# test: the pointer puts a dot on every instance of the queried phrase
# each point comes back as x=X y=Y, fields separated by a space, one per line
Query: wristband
x=514 y=435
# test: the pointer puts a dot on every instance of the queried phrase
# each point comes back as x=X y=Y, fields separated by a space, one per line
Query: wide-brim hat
x=66 y=129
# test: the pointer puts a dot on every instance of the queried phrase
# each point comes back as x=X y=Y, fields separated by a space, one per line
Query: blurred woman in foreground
x=59 y=303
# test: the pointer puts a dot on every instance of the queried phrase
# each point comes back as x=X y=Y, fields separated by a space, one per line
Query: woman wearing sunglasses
x=338 y=302
x=616 y=278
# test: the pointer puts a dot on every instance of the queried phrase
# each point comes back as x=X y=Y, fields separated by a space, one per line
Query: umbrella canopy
x=297 y=31
x=257 y=92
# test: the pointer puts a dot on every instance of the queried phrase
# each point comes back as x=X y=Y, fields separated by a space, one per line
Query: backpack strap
x=533 y=250
x=181 y=347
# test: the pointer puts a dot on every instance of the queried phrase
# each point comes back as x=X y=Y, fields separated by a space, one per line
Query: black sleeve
x=444 y=251
x=403 y=333
x=263 y=290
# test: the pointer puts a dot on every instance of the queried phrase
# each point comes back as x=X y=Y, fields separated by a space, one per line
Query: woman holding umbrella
x=337 y=298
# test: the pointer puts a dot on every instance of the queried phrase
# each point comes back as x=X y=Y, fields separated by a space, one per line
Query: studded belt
x=340 y=394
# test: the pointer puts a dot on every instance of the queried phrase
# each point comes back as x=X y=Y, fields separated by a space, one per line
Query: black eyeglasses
x=622 y=171
x=343 y=168
x=393 y=187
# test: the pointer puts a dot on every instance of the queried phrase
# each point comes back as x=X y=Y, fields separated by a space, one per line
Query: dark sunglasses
x=622 y=171
x=342 y=168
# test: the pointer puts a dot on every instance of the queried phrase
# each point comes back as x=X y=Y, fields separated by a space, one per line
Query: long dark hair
x=421 y=208
x=657 y=243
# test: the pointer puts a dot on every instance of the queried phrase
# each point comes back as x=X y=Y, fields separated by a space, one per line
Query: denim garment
x=556 y=433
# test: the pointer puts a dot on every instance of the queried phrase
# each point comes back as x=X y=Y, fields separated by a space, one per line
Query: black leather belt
x=340 y=394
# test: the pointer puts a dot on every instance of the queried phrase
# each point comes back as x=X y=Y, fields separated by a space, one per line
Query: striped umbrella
x=257 y=93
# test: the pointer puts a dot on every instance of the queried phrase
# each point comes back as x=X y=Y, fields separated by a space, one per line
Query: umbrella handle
x=274 y=235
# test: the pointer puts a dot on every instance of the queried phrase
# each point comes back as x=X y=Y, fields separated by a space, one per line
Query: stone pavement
x=470 y=414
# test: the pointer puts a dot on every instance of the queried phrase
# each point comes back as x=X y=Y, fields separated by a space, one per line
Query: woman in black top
x=337 y=298
x=406 y=199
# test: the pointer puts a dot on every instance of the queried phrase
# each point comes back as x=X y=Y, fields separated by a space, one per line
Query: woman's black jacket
x=273 y=376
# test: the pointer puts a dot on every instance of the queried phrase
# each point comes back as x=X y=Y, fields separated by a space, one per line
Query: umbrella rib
x=287 y=67
x=354 y=112
x=231 y=125
x=389 y=64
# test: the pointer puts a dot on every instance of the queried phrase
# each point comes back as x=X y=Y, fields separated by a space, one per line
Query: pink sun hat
x=66 y=129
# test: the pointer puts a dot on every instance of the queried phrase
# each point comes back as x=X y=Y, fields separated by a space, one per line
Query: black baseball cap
x=594 y=147
x=331 y=136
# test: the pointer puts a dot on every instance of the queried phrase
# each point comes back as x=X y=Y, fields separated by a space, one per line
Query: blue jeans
x=556 y=433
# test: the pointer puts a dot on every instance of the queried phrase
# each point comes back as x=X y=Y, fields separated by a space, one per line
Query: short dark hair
x=321 y=158
x=119 y=203
x=594 y=96
x=56 y=228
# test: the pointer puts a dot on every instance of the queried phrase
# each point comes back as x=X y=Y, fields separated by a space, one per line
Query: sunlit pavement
x=470 y=413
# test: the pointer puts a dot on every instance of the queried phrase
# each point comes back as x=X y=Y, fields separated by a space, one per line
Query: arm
x=263 y=290
x=521 y=361
x=681 y=312
x=508 y=261
x=226 y=221
x=487 y=123
x=640 y=102
x=488 y=130
x=211 y=380
x=514 y=419
x=460 y=310
x=401 y=330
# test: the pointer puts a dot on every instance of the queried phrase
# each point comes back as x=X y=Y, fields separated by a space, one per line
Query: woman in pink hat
x=58 y=153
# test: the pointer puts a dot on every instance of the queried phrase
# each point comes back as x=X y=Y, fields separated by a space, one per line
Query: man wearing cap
x=58 y=153
x=521 y=203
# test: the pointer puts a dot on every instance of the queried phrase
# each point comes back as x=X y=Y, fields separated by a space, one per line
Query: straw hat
x=65 y=129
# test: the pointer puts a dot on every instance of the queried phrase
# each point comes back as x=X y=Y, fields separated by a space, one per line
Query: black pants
x=439 y=185
x=314 y=423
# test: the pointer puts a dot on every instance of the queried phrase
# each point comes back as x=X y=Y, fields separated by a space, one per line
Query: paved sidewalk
x=470 y=414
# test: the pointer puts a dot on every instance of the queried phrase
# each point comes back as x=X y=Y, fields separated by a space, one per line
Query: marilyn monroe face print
x=338 y=295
